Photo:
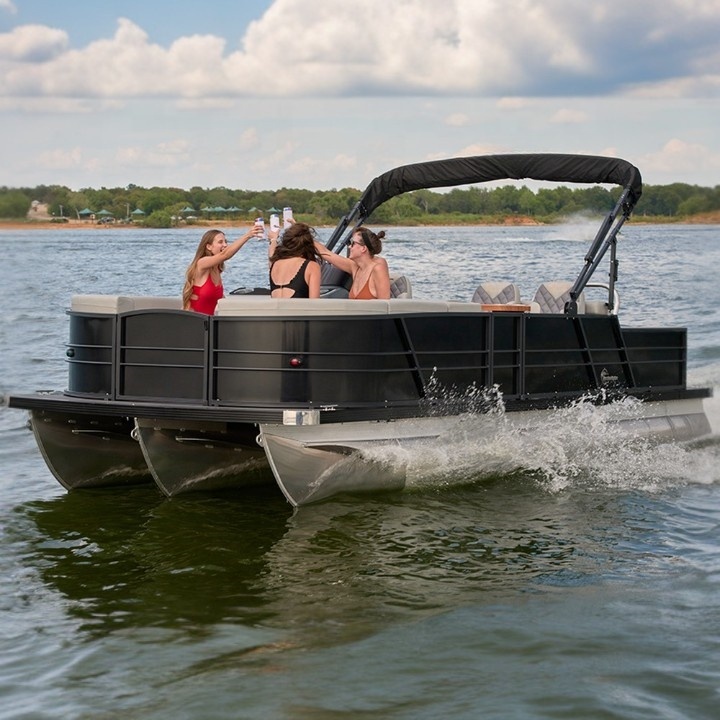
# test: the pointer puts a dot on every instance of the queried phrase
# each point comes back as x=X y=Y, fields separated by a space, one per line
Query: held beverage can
x=274 y=222
x=287 y=217
x=260 y=222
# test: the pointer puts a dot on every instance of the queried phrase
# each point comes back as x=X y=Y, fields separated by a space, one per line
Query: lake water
x=574 y=575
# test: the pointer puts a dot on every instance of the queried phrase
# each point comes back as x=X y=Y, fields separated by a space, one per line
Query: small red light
x=295 y=362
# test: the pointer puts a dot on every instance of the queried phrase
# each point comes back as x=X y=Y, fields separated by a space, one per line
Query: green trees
x=159 y=205
x=13 y=203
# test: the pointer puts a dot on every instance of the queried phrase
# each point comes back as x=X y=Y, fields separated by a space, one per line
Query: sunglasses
x=355 y=242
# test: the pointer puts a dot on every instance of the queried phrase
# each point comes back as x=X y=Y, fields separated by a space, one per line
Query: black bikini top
x=297 y=284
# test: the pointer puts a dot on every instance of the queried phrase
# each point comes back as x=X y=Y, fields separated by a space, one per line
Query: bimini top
x=552 y=167
x=485 y=168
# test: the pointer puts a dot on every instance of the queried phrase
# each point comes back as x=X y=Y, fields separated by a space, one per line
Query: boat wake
x=582 y=445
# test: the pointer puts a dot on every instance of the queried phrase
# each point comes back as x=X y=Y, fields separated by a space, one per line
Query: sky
x=328 y=94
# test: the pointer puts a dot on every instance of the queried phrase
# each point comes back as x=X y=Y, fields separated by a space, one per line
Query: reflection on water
x=200 y=605
x=133 y=559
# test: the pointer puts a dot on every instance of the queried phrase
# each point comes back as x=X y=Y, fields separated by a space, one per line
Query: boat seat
x=400 y=287
x=114 y=304
x=259 y=305
x=496 y=293
x=597 y=307
x=552 y=296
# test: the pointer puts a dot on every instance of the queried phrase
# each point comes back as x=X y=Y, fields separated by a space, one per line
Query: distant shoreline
x=712 y=218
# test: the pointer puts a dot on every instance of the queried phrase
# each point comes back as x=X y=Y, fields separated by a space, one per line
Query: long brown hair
x=297 y=241
x=202 y=251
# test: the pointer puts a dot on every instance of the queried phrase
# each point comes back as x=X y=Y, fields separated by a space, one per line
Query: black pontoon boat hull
x=184 y=456
x=87 y=451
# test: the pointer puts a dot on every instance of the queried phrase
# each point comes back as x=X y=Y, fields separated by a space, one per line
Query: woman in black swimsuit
x=294 y=263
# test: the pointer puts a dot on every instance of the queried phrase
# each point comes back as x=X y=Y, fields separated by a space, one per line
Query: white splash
x=582 y=445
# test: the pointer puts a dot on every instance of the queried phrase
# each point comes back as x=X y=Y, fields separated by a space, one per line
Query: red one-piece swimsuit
x=207 y=296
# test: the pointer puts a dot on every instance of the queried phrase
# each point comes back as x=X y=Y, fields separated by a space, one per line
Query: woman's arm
x=381 y=279
x=312 y=278
x=345 y=264
x=211 y=261
x=273 y=236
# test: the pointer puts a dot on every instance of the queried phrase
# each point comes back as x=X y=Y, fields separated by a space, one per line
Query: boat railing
x=259 y=351
x=600 y=307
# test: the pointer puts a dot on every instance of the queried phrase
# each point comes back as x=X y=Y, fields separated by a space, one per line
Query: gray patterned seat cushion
x=496 y=293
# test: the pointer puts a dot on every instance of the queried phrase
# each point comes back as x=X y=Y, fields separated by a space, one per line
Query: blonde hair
x=202 y=251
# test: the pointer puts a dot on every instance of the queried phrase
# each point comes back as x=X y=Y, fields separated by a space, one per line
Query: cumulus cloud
x=31 y=44
x=529 y=48
x=678 y=157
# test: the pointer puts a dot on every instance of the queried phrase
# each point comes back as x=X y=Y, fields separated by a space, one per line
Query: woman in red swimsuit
x=203 y=285
x=370 y=274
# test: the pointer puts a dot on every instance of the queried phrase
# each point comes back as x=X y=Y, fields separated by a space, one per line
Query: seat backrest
x=552 y=296
x=496 y=293
x=400 y=287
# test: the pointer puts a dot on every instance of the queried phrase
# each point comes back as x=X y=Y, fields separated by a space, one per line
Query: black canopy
x=552 y=167
x=484 y=168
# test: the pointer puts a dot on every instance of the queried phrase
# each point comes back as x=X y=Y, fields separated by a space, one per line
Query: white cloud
x=366 y=85
x=459 y=47
x=8 y=6
x=60 y=159
x=679 y=158
x=480 y=149
x=280 y=156
x=305 y=166
x=166 y=154
x=32 y=44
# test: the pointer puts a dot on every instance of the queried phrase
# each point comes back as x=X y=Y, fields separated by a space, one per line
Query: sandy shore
x=710 y=218
x=87 y=225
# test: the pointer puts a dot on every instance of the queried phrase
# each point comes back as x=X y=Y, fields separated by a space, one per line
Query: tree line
x=165 y=207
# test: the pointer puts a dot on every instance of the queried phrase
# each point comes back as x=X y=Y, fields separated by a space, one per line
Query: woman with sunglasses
x=370 y=274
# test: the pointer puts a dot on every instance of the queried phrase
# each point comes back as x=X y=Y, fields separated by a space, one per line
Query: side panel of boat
x=299 y=361
x=186 y=456
x=84 y=451
x=381 y=359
